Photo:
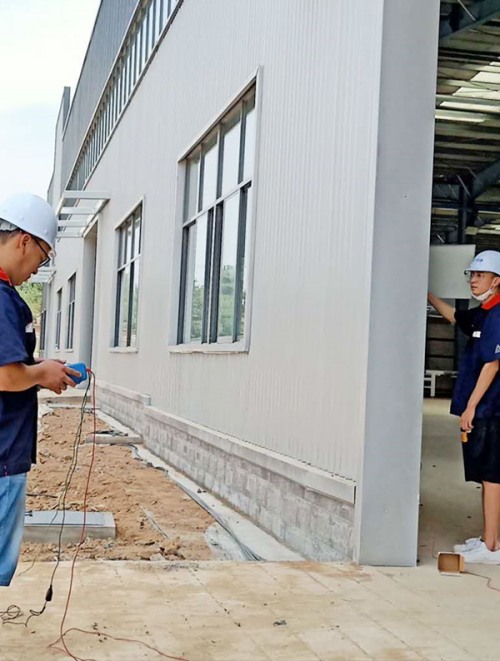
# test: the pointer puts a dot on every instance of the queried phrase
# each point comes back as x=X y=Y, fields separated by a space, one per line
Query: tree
x=31 y=292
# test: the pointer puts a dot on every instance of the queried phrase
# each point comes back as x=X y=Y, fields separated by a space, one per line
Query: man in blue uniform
x=476 y=398
x=28 y=229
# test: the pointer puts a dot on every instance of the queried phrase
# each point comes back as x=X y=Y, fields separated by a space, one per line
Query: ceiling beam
x=473 y=131
x=446 y=192
x=464 y=100
x=457 y=115
x=482 y=180
x=468 y=55
x=450 y=67
x=460 y=20
x=466 y=146
x=465 y=159
x=486 y=178
x=470 y=85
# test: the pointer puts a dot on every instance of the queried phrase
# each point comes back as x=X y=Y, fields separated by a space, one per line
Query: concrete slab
x=114 y=439
x=230 y=611
x=450 y=508
x=69 y=396
x=44 y=526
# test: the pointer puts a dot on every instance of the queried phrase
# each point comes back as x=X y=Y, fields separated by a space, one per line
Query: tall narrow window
x=57 y=343
x=217 y=198
x=70 y=330
x=127 y=291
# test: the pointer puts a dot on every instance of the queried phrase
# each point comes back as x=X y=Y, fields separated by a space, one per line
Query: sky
x=42 y=48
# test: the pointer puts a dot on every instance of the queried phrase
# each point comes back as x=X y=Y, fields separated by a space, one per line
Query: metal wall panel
x=111 y=23
x=301 y=388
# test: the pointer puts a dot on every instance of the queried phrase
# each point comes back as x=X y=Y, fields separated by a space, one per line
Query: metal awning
x=77 y=210
x=466 y=190
x=44 y=275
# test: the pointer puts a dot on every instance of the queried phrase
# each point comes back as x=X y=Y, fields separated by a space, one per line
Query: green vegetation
x=32 y=294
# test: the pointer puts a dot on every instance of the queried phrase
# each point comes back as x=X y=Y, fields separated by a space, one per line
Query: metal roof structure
x=74 y=219
x=466 y=193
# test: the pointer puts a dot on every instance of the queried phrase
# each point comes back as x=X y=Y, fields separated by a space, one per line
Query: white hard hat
x=488 y=260
x=31 y=214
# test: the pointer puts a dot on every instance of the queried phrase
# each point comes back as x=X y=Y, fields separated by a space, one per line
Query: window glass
x=137 y=235
x=134 y=304
x=192 y=177
x=124 y=289
x=231 y=157
x=228 y=267
x=249 y=157
x=209 y=174
x=198 y=237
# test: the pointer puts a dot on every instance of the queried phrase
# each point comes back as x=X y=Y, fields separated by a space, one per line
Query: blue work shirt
x=482 y=327
x=18 y=410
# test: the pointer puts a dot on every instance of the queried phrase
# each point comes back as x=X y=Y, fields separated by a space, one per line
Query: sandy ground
x=142 y=499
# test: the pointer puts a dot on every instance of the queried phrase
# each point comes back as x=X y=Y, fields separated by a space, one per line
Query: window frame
x=57 y=338
x=135 y=264
x=211 y=341
x=70 y=318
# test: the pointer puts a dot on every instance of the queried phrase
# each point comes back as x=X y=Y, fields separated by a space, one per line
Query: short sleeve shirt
x=18 y=410
x=482 y=327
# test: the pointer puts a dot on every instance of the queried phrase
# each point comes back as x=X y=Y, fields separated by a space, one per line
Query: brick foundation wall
x=309 y=510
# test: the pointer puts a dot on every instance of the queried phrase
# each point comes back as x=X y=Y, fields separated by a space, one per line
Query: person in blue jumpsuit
x=28 y=229
x=476 y=398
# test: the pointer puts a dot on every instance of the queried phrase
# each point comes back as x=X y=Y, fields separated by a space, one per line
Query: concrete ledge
x=307 y=476
x=69 y=396
x=114 y=439
x=44 y=526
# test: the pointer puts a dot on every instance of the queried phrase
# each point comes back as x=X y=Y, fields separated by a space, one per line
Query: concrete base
x=44 y=526
x=114 y=439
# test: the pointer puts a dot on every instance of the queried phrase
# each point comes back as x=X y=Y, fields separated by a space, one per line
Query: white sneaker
x=471 y=543
x=482 y=554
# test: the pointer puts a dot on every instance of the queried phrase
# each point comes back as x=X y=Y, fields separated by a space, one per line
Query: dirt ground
x=142 y=499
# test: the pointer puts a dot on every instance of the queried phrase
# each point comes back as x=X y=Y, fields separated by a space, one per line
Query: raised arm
x=445 y=310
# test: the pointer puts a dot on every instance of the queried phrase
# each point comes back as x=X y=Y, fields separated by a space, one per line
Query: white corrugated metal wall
x=301 y=388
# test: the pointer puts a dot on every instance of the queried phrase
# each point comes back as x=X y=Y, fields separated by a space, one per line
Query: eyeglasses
x=48 y=255
x=478 y=275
